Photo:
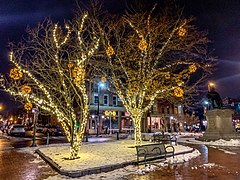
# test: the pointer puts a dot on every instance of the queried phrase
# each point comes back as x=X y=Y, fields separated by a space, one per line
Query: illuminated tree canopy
x=50 y=70
x=151 y=54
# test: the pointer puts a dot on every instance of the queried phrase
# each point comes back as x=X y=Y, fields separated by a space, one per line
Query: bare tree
x=151 y=54
x=51 y=70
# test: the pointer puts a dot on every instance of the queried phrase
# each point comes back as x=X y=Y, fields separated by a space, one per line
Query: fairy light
x=58 y=45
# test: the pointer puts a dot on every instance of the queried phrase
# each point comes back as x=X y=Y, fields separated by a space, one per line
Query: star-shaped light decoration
x=15 y=74
x=167 y=76
x=192 y=68
x=182 y=32
x=70 y=65
x=143 y=45
x=25 y=89
x=178 y=92
x=103 y=79
x=28 y=106
x=109 y=51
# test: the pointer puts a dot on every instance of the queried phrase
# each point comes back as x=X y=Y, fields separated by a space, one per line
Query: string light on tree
x=15 y=74
x=78 y=73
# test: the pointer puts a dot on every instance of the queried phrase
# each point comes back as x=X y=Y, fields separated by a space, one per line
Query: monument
x=219 y=119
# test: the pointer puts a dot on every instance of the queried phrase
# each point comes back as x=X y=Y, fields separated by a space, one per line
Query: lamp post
x=35 y=111
x=100 y=85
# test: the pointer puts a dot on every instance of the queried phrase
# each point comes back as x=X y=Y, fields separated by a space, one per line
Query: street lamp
x=100 y=85
x=35 y=112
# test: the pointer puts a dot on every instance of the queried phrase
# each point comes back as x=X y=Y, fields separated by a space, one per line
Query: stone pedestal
x=219 y=125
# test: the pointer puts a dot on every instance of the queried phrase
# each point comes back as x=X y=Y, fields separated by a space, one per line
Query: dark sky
x=220 y=17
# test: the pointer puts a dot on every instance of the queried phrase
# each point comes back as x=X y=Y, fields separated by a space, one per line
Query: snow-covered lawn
x=97 y=154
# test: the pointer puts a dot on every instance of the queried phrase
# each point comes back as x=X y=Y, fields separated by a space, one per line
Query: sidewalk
x=95 y=157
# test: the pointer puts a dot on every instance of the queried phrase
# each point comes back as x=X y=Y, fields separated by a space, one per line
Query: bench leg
x=145 y=160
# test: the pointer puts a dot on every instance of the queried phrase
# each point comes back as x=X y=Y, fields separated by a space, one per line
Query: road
x=215 y=163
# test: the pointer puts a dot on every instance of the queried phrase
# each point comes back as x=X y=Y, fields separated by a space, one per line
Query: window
x=105 y=99
x=114 y=100
x=168 y=110
x=96 y=98
x=162 y=109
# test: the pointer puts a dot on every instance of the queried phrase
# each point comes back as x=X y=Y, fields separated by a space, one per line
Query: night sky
x=220 y=17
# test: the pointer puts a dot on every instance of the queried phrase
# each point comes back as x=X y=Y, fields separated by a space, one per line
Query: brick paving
x=15 y=165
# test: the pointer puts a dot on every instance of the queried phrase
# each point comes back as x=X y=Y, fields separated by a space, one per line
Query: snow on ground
x=190 y=138
x=97 y=154
x=141 y=169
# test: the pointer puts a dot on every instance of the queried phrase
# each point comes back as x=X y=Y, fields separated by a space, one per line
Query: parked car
x=60 y=131
x=16 y=129
x=52 y=130
x=39 y=128
x=237 y=128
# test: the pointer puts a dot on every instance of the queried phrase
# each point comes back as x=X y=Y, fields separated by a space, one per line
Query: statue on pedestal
x=219 y=119
x=214 y=99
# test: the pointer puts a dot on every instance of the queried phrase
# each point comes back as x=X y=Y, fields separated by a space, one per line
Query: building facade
x=106 y=110
x=164 y=116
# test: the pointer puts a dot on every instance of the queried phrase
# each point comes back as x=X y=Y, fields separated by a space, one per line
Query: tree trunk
x=78 y=134
x=137 y=129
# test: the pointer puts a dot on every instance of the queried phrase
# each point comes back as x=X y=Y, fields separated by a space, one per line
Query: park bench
x=164 y=138
x=153 y=151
